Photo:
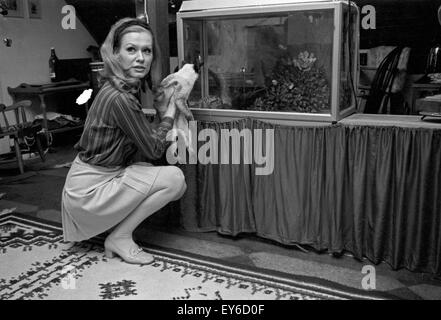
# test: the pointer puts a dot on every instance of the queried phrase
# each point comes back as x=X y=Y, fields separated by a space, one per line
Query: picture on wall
x=15 y=8
x=34 y=9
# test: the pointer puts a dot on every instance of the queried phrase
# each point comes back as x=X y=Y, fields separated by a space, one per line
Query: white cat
x=176 y=88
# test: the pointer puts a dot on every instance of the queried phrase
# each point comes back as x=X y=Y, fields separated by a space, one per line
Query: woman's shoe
x=135 y=255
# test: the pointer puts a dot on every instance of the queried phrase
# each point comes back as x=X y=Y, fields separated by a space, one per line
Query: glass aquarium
x=271 y=59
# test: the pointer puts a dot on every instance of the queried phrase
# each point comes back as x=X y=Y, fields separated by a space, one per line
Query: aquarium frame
x=237 y=12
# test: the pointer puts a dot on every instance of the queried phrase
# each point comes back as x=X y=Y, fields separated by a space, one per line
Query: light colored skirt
x=96 y=198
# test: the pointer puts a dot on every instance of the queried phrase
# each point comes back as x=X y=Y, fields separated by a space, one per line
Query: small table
x=429 y=106
x=42 y=90
x=419 y=90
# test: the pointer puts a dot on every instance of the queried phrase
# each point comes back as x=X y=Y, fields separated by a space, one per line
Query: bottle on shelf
x=53 y=59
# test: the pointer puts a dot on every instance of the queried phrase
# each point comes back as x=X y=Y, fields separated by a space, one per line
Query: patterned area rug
x=35 y=263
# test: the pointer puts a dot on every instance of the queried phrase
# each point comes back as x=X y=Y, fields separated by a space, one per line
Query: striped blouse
x=116 y=129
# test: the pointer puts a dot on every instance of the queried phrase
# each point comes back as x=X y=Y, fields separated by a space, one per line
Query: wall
x=411 y=23
x=27 y=59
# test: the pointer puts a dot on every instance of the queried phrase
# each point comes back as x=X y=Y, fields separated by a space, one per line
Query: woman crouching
x=106 y=188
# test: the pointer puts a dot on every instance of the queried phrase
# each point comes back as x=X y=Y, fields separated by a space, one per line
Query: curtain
x=219 y=196
x=372 y=191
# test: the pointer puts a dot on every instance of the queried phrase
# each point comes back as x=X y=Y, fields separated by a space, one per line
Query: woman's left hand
x=161 y=102
x=171 y=110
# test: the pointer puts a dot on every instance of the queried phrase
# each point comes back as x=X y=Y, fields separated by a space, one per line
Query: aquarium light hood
x=197 y=5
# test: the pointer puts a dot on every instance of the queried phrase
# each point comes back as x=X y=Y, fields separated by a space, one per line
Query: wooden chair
x=380 y=92
x=23 y=132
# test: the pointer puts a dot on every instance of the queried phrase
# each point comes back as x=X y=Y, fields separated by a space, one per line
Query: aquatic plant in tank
x=296 y=84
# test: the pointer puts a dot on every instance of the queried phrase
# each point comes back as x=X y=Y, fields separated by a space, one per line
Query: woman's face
x=136 y=53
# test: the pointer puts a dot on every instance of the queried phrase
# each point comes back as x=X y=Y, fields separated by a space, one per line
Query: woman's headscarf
x=112 y=68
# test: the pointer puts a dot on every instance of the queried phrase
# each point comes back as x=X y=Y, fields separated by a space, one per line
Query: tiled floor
x=19 y=192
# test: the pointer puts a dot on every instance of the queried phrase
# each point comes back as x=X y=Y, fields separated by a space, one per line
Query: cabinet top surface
x=197 y=5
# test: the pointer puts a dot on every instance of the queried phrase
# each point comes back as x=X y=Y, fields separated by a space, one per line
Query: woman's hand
x=161 y=102
x=171 y=110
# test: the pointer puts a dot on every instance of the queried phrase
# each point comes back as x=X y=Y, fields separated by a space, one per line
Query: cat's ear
x=198 y=63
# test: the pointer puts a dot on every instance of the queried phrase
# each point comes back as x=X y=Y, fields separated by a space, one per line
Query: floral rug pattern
x=35 y=264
